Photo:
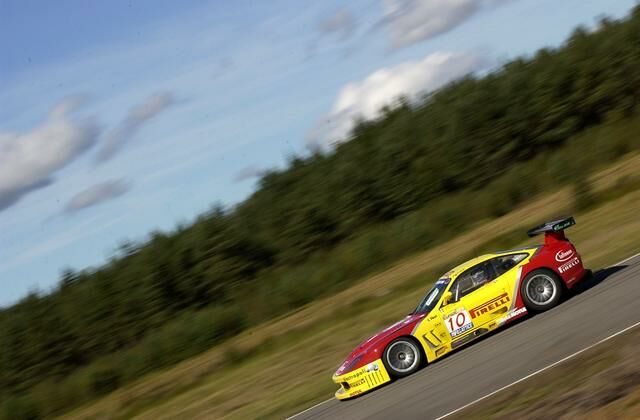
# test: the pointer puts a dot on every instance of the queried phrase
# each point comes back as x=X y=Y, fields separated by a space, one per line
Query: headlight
x=372 y=367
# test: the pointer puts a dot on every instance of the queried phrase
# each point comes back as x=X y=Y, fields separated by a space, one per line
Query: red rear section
x=559 y=255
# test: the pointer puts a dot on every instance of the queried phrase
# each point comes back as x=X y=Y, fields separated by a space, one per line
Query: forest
x=417 y=175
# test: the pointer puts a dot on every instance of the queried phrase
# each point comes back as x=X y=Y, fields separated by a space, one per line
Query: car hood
x=372 y=348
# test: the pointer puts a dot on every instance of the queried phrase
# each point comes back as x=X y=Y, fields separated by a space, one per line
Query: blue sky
x=123 y=117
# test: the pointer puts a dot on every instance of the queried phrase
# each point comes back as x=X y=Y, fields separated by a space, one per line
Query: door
x=477 y=298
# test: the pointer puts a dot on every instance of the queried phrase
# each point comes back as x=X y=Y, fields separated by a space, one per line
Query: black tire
x=541 y=290
x=402 y=357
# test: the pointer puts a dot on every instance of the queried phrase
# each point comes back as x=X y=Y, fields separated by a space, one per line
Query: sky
x=121 y=118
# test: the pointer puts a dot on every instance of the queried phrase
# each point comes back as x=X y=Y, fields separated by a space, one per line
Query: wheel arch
x=414 y=340
x=552 y=271
x=537 y=307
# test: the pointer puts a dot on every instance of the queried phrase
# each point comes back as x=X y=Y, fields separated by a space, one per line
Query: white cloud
x=364 y=99
x=29 y=160
x=97 y=194
x=136 y=117
x=248 y=172
x=341 y=22
x=411 y=21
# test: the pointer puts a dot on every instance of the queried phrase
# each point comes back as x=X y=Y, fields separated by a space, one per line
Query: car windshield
x=431 y=298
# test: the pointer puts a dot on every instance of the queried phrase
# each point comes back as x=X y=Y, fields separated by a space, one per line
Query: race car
x=467 y=302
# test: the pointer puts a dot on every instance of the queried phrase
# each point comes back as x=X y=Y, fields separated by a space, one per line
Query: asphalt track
x=604 y=306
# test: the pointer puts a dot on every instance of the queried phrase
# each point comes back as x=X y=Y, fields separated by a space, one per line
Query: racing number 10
x=457 y=321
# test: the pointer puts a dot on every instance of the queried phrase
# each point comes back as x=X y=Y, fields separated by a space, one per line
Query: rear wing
x=554 y=230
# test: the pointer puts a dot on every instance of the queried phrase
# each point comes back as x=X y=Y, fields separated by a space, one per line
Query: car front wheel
x=402 y=357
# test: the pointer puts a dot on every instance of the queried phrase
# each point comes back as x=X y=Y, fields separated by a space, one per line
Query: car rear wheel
x=402 y=357
x=541 y=290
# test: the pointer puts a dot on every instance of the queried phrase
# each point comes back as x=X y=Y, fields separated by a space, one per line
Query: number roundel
x=458 y=322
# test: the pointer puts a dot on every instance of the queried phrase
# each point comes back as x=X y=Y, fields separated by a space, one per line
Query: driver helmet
x=479 y=277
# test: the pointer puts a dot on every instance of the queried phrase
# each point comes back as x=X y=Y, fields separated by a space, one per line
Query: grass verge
x=601 y=383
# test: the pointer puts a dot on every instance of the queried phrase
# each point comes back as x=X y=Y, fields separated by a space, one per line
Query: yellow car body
x=361 y=380
x=457 y=323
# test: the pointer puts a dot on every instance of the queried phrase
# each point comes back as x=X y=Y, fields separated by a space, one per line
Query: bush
x=583 y=197
x=21 y=407
x=233 y=355
x=103 y=380
x=53 y=397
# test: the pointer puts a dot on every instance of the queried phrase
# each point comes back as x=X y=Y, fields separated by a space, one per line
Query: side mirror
x=448 y=296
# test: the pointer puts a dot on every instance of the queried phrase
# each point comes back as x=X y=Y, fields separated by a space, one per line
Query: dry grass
x=624 y=168
x=309 y=351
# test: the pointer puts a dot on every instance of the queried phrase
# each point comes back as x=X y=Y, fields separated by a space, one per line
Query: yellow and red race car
x=469 y=301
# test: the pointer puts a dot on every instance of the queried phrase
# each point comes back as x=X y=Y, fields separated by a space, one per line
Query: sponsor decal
x=489 y=306
x=567 y=266
x=443 y=281
x=563 y=225
x=562 y=256
x=370 y=375
x=355 y=375
x=462 y=329
x=514 y=314
x=357 y=383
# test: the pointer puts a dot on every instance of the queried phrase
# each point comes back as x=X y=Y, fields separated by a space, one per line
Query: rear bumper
x=584 y=277
x=361 y=380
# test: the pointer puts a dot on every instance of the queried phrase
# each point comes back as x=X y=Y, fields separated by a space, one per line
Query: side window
x=472 y=279
x=503 y=264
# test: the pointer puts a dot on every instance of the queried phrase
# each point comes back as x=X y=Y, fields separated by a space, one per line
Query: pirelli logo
x=490 y=305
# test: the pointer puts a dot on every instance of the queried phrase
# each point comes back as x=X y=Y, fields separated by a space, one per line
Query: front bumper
x=361 y=380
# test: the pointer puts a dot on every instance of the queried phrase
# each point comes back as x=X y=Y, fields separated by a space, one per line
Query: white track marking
x=310 y=408
x=540 y=370
x=625 y=260
x=521 y=379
